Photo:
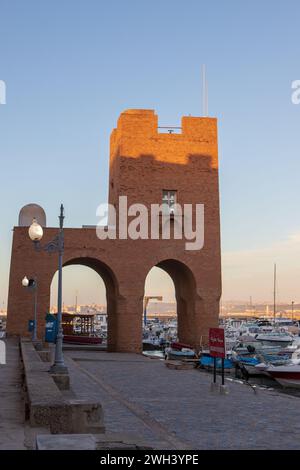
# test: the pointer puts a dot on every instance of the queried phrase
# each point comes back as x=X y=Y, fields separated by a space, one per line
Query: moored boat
x=80 y=339
x=287 y=376
x=275 y=338
x=151 y=345
x=179 y=355
x=207 y=362
x=247 y=363
x=179 y=351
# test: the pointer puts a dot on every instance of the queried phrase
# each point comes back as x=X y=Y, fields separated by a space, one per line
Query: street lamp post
x=32 y=284
x=54 y=246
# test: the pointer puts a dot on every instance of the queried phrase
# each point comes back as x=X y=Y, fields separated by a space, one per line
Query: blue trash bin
x=51 y=328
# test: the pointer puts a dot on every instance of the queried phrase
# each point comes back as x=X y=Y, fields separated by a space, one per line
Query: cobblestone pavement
x=11 y=404
x=174 y=409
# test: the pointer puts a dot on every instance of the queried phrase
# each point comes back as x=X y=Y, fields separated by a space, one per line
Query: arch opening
x=89 y=293
x=159 y=310
x=174 y=282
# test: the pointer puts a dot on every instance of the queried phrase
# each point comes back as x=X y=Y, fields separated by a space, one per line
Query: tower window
x=169 y=198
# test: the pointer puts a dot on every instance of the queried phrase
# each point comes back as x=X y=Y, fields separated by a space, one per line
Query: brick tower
x=149 y=167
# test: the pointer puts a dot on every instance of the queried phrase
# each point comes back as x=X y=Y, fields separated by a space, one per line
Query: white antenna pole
x=204 y=92
x=203 y=89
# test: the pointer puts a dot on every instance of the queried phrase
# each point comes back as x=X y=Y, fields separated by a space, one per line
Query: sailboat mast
x=76 y=301
x=274 y=294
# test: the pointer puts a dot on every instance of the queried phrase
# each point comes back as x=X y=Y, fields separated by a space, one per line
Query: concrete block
x=120 y=441
x=38 y=345
x=87 y=417
x=72 y=417
x=62 y=381
x=110 y=441
x=214 y=387
x=48 y=407
x=45 y=355
x=224 y=390
x=65 y=442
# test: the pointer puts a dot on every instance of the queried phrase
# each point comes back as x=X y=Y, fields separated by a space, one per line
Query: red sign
x=217 y=342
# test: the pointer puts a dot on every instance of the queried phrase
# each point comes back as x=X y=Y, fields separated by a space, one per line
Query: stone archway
x=186 y=298
x=144 y=164
x=112 y=293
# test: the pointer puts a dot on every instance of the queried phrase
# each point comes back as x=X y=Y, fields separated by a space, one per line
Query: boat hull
x=208 y=363
x=177 y=355
x=76 y=339
x=287 y=377
x=271 y=342
x=148 y=346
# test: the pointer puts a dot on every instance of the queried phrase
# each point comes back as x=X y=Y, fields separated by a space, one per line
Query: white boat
x=276 y=338
x=183 y=354
x=288 y=375
x=294 y=346
x=278 y=361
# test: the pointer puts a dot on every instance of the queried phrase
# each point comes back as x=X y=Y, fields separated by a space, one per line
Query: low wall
x=47 y=406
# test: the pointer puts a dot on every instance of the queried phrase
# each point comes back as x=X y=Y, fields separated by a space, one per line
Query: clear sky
x=71 y=67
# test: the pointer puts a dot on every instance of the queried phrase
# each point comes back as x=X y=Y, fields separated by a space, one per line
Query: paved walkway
x=174 y=409
x=171 y=409
x=11 y=405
